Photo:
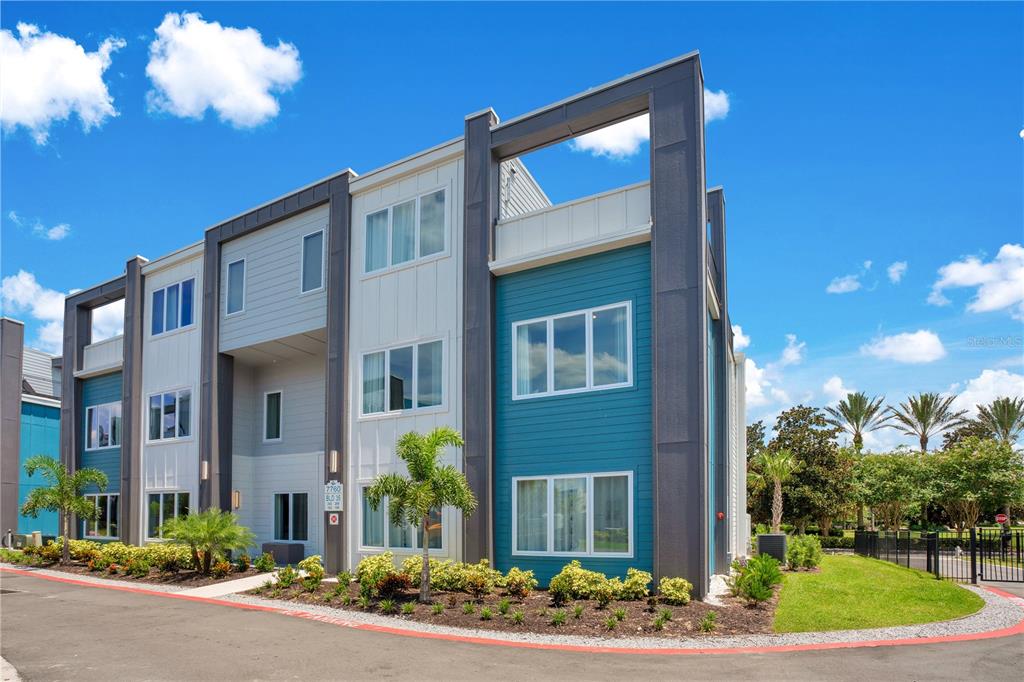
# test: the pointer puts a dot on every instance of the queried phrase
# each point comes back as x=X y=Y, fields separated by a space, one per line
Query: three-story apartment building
x=583 y=349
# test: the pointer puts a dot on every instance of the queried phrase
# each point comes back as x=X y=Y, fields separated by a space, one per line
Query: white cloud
x=763 y=385
x=986 y=387
x=834 y=389
x=195 y=65
x=55 y=233
x=915 y=348
x=1000 y=282
x=793 y=353
x=896 y=271
x=867 y=265
x=843 y=285
x=625 y=138
x=756 y=383
x=47 y=77
x=739 y=339
x=108 y=320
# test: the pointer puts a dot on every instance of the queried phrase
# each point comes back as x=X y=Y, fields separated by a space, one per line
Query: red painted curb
x=341 y=622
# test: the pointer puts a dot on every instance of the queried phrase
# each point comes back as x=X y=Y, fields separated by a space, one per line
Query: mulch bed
x=734 y=618
x=184 y=578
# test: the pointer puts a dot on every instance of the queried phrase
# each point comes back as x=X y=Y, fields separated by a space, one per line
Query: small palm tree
x=924 y=416
x=63 y=495
x=858 y=414
x=207 y=534
x=428 y=486
x=775 y=468
x=1003 y=419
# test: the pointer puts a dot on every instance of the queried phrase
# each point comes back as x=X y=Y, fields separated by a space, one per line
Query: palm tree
x=212 y=533
x=924 y=416
x=63 y=495
x=858 y=414
x=775 y=467
x=1003 y=418
x=429 y=486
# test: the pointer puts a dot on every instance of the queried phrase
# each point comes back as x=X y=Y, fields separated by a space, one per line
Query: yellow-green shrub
x=519 y=583
x=313 y=567
x=635 y=585
x=576 y=582
x=373 y=569
x=481 y=579
x=675 y=591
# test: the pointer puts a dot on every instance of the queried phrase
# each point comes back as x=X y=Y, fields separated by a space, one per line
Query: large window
x=576 y=514
x=162 y=508
x=313 y=261
x=236 y=287
x=379 y=533
x=272 y=416
x=291 y=516
x=170 y=415
x=584 y=350
x=406 y=231
x=172 y=307
x=104 y=524
x=403 y=378
x=103 y=426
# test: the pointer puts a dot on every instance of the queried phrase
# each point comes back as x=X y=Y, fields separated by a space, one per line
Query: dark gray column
x=716 y=216
x=679 y=325
x=77 y=334
x=12 y=344
x=211 y=384
x=478 y=332
x=131 y=404
x=338 y=258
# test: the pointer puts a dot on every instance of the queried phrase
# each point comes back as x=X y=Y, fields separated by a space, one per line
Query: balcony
x=102 y=357
x=577 y=228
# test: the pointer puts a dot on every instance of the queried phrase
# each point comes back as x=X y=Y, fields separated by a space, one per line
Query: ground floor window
x=397 y=536
x=105 y=523
x=291 y=516
x=162 y=508
x=573 y=514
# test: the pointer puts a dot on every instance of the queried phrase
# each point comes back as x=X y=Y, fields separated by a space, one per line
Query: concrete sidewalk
x=230 y=586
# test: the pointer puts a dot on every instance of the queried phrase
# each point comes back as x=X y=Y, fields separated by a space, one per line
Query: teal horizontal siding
x=608 y=430
x=97 y=391
x=40 y=435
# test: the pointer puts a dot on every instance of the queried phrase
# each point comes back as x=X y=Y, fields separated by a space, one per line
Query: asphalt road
x=56 y=631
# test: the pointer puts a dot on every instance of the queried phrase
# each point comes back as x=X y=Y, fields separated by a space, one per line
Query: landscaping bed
x=184 y=578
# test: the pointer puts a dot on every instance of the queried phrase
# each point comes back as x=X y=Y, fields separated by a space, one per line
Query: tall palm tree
x=1003 y=418
x=924 y=415
x=64 y=495
x=429 y=486
x=858 y=414
x=775 y=468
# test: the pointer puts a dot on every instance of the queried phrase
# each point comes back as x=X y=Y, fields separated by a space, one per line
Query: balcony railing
x=102 y=356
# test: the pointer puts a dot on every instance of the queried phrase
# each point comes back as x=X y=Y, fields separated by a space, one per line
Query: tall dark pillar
x=214 y=389
x=716 y=216
x=131 y=404
x=12 y=345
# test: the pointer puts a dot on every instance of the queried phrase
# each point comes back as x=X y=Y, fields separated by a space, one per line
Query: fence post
x=974 y=556
x=935 y=549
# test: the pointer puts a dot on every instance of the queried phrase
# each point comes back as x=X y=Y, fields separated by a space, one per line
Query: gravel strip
x=155 y=587
x=998 y=613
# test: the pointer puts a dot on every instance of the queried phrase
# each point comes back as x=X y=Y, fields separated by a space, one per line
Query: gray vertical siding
x=303 y=386
x=12 y=342
x=519 y=192
x=37 y=370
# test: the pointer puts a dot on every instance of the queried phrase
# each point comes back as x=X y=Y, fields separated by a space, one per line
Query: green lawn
x=852 y=592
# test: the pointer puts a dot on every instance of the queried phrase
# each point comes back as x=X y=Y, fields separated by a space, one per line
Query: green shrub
x=503 y=606
x=576 y=582
x=803 y=551
x=119 y=553
x=675 y=591
x=517 y=617
x=312 y=566
x=437 y=609
x=468 y=608
x=753 y=581
x=519 y=583
x=665 y=614
x=486 y=613
x=311 y=583
x=286 y=576
x=112 y=568
x=364 y=601
x=264 y=563
x=481 y=579
x=658 y=623
x=221 y=569
x=635 y=585
x=137 y=568
x=50 y=552
x=344 y=578
x=603 y=593
x=832 y=542
x=707 y=623
x=243 y=562
x=558 y=618
x=373 y=569
x=577 y=611
x=392 y=585
x=387 y=606
x=168 y=558
x=409 y=608
x=620 y=614
x=611 y=622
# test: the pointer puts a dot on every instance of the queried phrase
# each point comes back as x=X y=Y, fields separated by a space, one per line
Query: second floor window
x=403 y=378
x=170 y=415
x=313 y=261
x=172 y=307
x=406 y=231
x=103 y=426
x=272 y=416
x=236 y=287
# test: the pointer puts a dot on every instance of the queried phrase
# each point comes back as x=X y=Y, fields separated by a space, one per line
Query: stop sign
x=1001 y=518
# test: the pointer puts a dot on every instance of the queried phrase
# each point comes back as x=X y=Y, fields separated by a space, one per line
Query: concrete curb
x=1000 y=617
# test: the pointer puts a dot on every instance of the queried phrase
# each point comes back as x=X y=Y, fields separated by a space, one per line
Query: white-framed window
x=161 y=508
x=406 y=231
x=291 y=516
x=104 y=525
x=103 y=426
x=403 y=378
x=272 y=417
x=377 y=531
x=573 y=514
x=236 y=287
x=172 y=307
x=583 y=350
x=312 y=266
x=170 y=415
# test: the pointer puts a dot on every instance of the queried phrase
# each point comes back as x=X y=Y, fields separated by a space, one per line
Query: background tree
x=924 y=415
x=893 y=485
x=755 y=439
x=1002 y=419
x=64 y=495
x=975 y=475
x=858 y=414
x=208 y=534
x=967 y=429
x=759 y=497
x=774 y=469
x=821 y=488
x=429 y=486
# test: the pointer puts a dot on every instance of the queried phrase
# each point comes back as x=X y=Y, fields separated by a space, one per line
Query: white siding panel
x=258 y=479
x=37 y=370
x=103 y=354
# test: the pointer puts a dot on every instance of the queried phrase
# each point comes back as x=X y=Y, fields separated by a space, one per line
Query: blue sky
x=854 y=133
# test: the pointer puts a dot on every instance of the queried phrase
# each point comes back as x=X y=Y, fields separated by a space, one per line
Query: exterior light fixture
x=236 y=499
x=334 y=461
x=204 y=470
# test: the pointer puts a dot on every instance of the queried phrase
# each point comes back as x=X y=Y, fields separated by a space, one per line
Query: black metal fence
x=991 y=554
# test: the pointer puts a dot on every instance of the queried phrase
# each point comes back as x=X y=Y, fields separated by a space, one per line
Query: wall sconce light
x=204 y=470
x=236 y=499
x=334 y=461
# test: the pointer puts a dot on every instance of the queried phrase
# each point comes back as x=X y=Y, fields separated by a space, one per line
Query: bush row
x=135 y=560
